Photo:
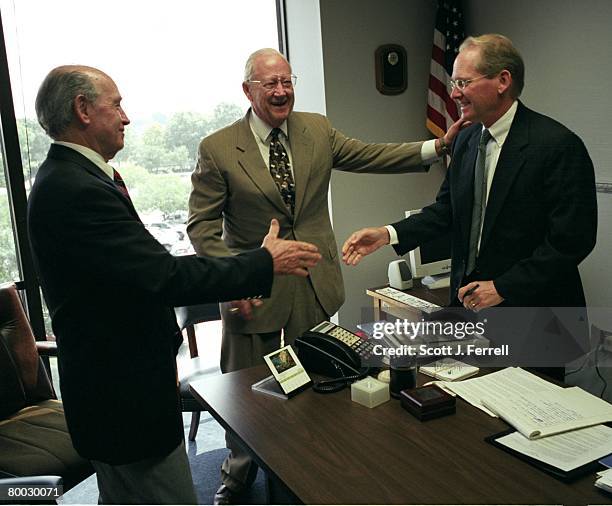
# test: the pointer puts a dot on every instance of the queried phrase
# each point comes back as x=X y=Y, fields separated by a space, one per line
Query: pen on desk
x=470 y=291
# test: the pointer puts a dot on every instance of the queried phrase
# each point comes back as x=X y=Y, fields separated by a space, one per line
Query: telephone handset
x=333 y=351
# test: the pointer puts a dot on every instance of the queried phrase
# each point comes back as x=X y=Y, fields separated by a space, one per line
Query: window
x=8 y=258
x=179 y=67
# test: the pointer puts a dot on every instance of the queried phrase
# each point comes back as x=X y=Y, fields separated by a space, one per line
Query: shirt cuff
x=392 y=235
x=428 y=152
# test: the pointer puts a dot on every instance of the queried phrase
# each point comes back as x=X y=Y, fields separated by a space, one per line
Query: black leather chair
x=34 y=439
x=188 y=371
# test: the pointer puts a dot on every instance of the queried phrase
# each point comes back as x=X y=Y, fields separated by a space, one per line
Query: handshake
x=288 y=257
x=294 y=257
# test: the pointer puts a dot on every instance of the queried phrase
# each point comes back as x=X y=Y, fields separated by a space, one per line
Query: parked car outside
x=164 y=233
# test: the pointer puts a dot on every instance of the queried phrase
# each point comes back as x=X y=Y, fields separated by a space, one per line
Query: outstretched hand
x=290 y=257
x=362 y=243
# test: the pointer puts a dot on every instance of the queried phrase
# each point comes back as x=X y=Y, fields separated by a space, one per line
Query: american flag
x=448 y=34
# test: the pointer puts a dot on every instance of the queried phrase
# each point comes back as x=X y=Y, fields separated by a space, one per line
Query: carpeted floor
x=205 y=470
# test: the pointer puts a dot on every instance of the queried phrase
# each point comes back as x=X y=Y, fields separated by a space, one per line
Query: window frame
x=15 y=184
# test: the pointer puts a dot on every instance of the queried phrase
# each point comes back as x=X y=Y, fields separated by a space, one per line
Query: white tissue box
x=370 y=392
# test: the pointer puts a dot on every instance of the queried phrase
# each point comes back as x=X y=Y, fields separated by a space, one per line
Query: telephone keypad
x=345 y=336
x=362 y=347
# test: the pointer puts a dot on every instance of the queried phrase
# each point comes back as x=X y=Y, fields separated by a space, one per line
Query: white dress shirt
x=91 y=155
x=261 y=130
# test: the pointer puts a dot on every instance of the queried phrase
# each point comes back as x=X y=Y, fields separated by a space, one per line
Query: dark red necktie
x=121 y=184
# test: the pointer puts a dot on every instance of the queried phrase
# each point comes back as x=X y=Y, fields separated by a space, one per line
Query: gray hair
x=55 y=98
x=250 y=63
x=497 y=53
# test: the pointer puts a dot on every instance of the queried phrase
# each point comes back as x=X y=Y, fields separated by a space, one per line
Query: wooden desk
x=326 y=449
x=384 y=304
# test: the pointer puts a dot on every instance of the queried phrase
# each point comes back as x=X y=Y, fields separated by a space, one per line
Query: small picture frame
x=287 y=370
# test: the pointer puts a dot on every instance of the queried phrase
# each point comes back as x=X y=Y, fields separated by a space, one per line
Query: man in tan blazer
x=237 y=190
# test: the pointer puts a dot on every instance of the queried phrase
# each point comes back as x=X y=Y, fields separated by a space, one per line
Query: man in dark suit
x=110 y=288
x=519 y=195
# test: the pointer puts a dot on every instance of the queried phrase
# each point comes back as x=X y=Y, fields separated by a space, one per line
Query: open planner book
x=544 y=413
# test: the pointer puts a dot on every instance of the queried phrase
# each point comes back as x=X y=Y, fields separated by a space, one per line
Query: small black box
x=428 y=402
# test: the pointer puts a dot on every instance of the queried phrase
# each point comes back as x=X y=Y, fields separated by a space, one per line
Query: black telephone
x=333 y=351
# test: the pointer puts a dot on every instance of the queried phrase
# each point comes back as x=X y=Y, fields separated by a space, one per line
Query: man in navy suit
x=110 y=288
x=520 y=245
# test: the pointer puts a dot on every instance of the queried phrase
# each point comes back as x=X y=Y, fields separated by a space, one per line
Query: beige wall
x=350 y=33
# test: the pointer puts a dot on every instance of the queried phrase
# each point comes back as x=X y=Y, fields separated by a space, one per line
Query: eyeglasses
x=287 y=82
x=462 y=84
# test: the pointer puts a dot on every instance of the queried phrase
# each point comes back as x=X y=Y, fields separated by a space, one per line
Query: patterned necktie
x=480 y=201
x=121 y=184
x=280 y=168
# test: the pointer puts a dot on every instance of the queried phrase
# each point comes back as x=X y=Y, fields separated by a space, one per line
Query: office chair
x=599 y=336
x=34 y=439
x=600 y=339
x=189 y=371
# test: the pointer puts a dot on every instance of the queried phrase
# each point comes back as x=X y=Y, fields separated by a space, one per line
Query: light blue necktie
x=480 y=192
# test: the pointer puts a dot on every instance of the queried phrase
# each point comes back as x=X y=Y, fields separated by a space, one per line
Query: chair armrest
x=47 y=348
x=39 y=481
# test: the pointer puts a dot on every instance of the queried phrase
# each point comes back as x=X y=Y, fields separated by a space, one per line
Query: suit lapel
x=301 y=152
x=64 y=153
x=254 y=166
x=510 y=163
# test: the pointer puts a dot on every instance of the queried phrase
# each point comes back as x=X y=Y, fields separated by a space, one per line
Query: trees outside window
x=179 y=67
